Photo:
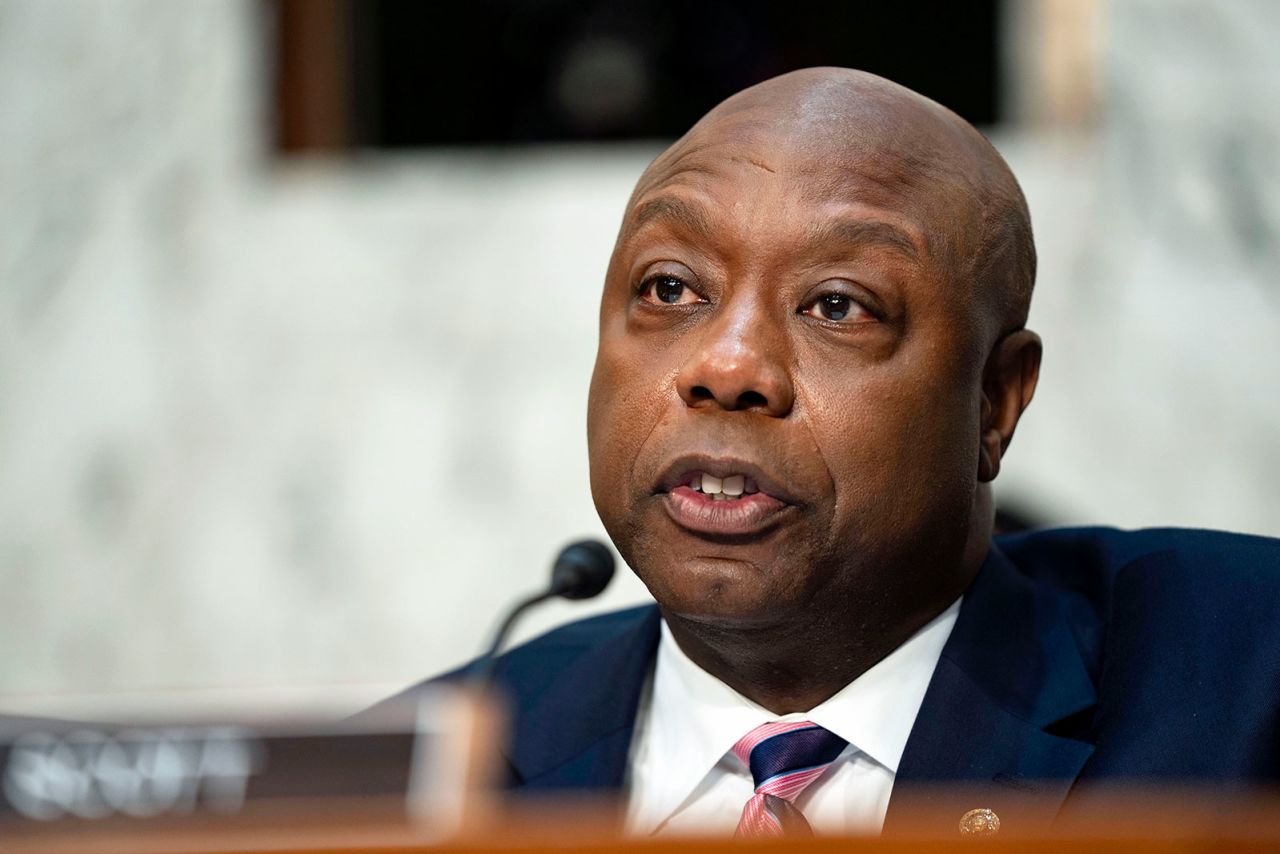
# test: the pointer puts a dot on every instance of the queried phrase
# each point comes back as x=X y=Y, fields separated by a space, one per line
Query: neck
x=793 y=667
x=797 y=661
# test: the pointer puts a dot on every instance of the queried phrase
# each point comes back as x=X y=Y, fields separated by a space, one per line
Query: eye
x=668 y=290
x=836 y=307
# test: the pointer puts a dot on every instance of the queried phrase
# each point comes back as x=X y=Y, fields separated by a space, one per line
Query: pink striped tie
x=784 y=759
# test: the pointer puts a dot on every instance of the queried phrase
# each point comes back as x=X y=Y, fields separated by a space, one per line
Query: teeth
x=722 y=488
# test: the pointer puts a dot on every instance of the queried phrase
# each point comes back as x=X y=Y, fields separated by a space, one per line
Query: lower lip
x=700 y=513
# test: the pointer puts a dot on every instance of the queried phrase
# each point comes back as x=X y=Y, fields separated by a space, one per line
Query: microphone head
x=582 y=570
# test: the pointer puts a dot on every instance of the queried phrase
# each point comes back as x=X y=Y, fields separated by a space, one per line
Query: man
x=812 y=361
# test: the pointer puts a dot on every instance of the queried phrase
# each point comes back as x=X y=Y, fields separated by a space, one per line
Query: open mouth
x=725 y=499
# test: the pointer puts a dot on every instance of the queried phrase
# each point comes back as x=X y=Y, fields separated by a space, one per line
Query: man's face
x=786 y=327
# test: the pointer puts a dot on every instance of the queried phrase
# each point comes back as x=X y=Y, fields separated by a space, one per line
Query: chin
x=714 y=589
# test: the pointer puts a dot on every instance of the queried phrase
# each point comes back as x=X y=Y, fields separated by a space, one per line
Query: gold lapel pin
x=979 y=822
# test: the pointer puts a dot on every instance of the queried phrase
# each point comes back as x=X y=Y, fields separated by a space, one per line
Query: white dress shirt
x=683 y=779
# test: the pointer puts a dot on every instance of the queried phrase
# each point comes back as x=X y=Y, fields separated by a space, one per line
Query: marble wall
x=313 y=421
x=1160 y=288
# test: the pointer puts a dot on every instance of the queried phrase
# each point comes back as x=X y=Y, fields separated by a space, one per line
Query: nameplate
x=423 y=769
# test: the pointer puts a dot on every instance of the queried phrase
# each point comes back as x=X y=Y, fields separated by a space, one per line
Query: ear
x=1007 y=387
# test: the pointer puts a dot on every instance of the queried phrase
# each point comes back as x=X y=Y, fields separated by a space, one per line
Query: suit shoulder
x=531 y=668
x=552 y=651
x=528 y=669
x=1089 y=561
x=575 y=638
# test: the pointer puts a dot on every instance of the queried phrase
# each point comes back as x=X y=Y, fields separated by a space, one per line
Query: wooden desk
x=1182 y=824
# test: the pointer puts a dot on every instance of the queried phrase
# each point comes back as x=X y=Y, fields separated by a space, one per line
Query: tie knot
x=784 y=758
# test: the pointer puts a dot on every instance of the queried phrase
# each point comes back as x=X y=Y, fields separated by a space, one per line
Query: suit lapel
x=1011 y=668
x=577 y=735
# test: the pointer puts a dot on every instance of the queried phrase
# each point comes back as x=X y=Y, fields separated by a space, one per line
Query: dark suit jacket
x=1078 y=656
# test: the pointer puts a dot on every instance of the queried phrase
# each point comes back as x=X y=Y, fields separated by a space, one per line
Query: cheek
x=902 y=454
x=627 y=399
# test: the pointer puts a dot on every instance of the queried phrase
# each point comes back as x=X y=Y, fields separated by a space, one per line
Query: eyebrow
x=694 y=219
x=690 y=217
x=861 y=232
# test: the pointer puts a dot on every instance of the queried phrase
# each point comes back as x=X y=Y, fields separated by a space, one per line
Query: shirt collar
x=698 y=718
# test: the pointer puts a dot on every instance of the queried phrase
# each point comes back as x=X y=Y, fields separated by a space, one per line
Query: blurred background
x=297 y=301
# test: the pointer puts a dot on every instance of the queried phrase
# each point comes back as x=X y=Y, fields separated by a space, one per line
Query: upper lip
x=678 y=471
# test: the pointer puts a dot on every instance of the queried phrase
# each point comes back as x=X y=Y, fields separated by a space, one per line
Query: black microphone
x=582 y=570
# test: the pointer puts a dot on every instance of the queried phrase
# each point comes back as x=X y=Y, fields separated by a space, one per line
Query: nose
x=738 y=363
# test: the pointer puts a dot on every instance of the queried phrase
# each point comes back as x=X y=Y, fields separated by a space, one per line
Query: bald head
x=908 y=149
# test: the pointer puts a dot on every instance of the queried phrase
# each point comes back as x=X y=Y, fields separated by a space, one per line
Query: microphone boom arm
x=582 y=570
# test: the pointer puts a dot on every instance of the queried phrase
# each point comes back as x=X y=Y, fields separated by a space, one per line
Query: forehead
x=714 y=190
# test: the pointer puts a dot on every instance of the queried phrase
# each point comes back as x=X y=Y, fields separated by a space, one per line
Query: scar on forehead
x=760 y=164
x=695 y=220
